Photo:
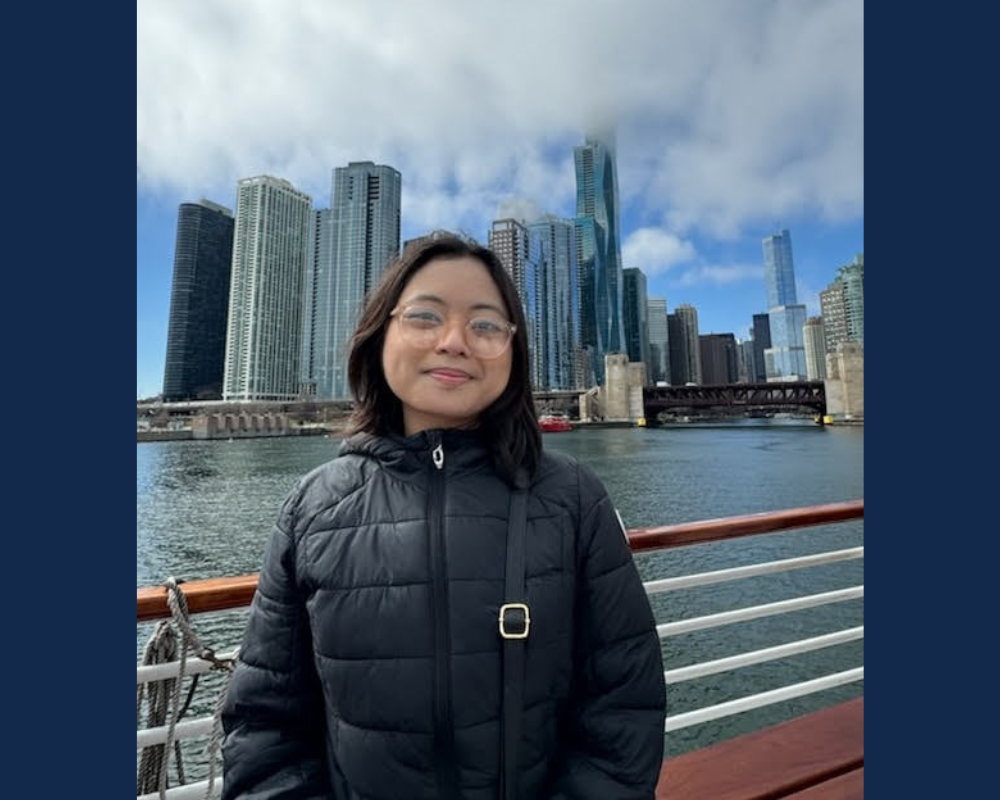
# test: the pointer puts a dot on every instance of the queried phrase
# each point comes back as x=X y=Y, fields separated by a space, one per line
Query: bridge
x=737 y=398
x=743 y=397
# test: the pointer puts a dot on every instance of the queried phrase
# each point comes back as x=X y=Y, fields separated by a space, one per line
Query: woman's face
x=440 y=382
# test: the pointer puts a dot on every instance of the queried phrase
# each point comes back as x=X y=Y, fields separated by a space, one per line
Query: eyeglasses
x=487 y=335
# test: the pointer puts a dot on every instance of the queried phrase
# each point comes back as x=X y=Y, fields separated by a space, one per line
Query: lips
x=449 y=377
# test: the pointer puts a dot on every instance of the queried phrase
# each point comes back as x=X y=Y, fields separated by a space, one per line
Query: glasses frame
x=397 y=312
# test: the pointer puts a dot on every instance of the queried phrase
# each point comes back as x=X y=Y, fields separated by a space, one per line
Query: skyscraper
x=688 y=350
x=264 y=330
x=635 y=315
x=779 y=272
x=552 y=253
x=599 y=246
x=199 y=302
x=786 y=356
x=318 y=308
x=815 y=347
x=761 y=335
x=745 y=359
x=842 y=304
x=719 y=360
x=678 y=351
x=658 y=367
x=364 y=239
x=520 y=255
x=853 y=276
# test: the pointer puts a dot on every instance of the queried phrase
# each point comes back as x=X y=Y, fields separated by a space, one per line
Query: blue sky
x=733 y=118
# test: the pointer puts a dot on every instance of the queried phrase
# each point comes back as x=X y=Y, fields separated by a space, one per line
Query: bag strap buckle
x=511 y=624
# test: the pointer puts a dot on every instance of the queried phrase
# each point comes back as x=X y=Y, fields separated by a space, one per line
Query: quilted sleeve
x=273 y=715
x=614 y=745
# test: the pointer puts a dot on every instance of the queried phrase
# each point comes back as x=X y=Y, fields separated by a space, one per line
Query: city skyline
x=731 y=123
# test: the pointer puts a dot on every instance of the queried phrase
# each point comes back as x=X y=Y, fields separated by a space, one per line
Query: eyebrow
x=433 y=298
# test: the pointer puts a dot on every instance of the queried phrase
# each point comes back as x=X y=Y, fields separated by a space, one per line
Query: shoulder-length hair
x=509 y=424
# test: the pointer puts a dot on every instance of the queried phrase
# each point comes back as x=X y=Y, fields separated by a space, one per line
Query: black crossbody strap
x=515 y=624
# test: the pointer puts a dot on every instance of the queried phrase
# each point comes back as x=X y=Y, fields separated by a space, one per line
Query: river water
x=205 y=509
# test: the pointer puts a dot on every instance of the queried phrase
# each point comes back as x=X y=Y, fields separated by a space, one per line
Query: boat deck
x=819 y=756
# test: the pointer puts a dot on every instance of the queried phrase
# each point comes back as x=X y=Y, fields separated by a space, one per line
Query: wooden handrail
x=714 y=530
x=211 y=594
x=218 y=594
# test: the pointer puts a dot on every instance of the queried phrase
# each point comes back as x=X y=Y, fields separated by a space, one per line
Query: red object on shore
x=553 y=424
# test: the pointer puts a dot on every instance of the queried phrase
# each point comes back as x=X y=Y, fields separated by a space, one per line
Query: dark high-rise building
x=635 y=315
x=199 y=303
x=761 y=342
x=676 y=345
x=719 y=360
x=599 y=248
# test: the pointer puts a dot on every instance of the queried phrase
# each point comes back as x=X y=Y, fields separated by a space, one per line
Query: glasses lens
x=487 y=337
x=421 y=327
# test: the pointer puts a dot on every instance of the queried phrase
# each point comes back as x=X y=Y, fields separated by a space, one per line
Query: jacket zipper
x=444 y=734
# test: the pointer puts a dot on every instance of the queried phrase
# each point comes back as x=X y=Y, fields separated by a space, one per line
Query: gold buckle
x=527 y=620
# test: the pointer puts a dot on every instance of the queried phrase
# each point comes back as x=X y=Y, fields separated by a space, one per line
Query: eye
x=488 y=328
x=422 y=318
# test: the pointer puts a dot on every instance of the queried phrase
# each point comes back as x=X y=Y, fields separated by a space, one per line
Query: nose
x=452 y=339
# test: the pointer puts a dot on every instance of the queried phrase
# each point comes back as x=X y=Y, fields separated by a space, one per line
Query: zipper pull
x=438 y=455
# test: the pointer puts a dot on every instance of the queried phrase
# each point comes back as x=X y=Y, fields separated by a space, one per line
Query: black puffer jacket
x=372 y=655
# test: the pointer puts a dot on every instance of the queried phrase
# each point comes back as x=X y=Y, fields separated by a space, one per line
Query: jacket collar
x=463 y=449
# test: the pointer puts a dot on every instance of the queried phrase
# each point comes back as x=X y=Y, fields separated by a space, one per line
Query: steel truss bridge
x=744 y=397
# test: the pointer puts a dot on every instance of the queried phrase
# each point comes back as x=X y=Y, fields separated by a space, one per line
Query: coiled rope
x=163 y=701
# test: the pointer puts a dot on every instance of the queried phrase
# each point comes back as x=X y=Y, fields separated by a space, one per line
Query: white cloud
x=520 y=208
x=720 y=274
x=654 y=250
x=728 y=113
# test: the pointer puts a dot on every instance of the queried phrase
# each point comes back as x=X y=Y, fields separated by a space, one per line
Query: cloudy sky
x=733 y=119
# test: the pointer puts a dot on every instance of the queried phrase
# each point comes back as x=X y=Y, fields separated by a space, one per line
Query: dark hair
x=509 y=423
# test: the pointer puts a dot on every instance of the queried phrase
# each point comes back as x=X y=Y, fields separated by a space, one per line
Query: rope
x=164 y=708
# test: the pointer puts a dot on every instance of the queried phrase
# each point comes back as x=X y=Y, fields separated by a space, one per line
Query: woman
x=376 y=654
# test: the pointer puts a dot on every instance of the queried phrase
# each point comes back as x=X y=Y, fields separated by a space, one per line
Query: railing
x=218 y=594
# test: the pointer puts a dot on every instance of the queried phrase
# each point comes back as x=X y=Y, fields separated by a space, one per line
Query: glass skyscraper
x=779 y=273
x=264 y=330
x=635 y=316
x=318 y=308
x=786 y=358
x=364 y=238
x=199 y=303
x=658 y=368
x=599 y=248
x=553 y=252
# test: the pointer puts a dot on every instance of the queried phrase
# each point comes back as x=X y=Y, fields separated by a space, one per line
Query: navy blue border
x=69 y=121
x=930 y=352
